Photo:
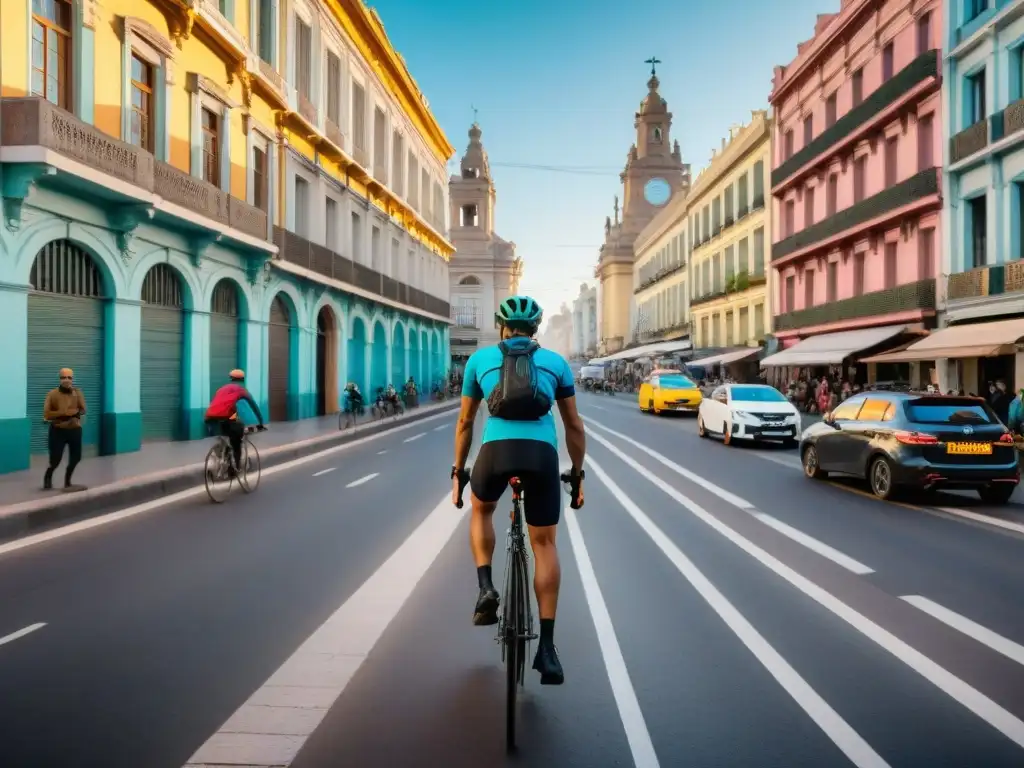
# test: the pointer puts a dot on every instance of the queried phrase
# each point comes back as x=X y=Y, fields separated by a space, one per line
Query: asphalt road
x=717 y=609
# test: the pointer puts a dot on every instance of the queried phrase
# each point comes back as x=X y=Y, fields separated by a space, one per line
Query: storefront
x=813 y=355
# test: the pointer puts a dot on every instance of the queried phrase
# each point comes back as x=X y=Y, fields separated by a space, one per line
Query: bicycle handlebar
x=256 y=428
x=463 y=475
x=571 y=481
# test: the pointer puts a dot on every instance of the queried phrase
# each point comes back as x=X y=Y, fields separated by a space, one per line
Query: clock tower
x=654 y=175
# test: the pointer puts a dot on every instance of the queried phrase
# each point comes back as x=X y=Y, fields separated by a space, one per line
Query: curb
x=31 y=517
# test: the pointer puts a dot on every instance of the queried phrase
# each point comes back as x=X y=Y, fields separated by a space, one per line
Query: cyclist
x=223 y=412
x=519 y=440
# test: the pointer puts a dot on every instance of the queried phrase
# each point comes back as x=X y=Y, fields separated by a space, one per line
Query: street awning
x=833 y=348
x=647 y=350
x=726 y=357
x=958 y=341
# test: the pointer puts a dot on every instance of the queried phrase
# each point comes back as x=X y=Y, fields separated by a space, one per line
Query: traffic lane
x=970 y=569
x=441 y=683
x=881 y=698
x=164 y=633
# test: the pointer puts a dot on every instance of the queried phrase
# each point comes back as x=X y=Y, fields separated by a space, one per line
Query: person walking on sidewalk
x=63 y=410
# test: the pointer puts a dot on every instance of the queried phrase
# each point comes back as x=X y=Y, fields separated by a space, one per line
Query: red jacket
x=225 y=402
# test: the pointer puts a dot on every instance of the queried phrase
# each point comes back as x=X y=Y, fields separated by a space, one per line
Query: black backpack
x=516 y=396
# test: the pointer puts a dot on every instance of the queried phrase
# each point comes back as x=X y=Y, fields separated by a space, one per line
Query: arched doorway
x=162 y=356
x=327 y=398
x=357 y=356
x=279 y=358
x=67 y=293
x=379 y=357
x=414 y=359
x=398 y=374
x=225 y=331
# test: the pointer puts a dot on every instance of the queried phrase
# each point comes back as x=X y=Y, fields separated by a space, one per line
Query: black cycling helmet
x=520 y=313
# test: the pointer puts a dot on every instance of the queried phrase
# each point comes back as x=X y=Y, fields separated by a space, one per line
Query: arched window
x=470 y=280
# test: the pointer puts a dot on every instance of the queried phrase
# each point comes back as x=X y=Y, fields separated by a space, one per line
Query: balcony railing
x=969 y=141
x=317 y=258
x=308 y=110
x=920 y=69
x=33 y=121
x=986 y=281
x=649 y=280
x=902 y=298
x=737 y=283
x=917 y=187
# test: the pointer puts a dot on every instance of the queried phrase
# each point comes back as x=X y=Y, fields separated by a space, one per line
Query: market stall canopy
x=833 y=348
x=726 y=357
x=647 y=350
x=972 y=340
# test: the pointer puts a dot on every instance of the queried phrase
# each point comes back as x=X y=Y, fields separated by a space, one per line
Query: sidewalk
x=159 y=469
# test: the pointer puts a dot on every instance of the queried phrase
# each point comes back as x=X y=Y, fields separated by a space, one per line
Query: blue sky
x=557 y=83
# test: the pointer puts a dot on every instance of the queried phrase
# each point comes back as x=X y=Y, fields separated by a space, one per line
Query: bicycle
x=347 y=418
x=220 y=460
x=515 y=625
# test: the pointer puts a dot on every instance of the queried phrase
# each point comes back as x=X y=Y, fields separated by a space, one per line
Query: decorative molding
x=124 y=220
x=134 y=26
x=18 y=179
x=199 y=84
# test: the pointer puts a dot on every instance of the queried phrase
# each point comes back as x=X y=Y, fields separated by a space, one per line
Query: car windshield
x=963 y=412
x=674 y=381
x=757 y=395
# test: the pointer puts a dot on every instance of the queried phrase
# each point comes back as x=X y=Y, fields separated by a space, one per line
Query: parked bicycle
x=220 y=461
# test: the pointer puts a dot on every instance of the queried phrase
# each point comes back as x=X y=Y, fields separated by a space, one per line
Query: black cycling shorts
x=535 y=463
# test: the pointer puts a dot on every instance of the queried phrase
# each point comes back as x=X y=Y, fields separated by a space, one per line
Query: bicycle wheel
x=218 y=481
x=511 y=652
x=250 y=471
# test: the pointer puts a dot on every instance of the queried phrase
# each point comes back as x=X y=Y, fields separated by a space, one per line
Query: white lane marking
x=790 y=462
x=599 y=407
x=813 y=544
x=640 y=744
x=824 y=716
x=414 y=437
x=971 y=698
x=324 y=471
x=271 y=727
x=21 y=632
x=149 y=506
x=381 y=453
x=972 y=629
x=721 y=493
x=362 y=480
x=968 y=515
x=443 y=426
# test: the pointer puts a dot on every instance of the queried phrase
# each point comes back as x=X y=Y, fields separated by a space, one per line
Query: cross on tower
x=654 y=61
x=474 y=112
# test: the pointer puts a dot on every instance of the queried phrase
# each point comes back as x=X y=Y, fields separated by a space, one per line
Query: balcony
x=35 y=122
x=921 y=69
x=308 y=110
x=902 y=298
x=271 y=79
x=465 y=319
x=992 y=280
x=360 y=155
x=968 y=141
x=650 y=280
x=323 y=261
x=737 y=283
x=918 y=187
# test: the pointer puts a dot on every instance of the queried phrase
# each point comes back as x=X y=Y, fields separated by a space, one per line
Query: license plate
x=774 y=433
x=969 y=449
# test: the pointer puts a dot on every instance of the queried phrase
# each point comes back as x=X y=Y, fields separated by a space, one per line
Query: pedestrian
x=63 y=410
x=1001 y=401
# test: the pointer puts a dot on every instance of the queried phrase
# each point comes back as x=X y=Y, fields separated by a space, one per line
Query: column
x=256 y=335
x=197 y=374
x=15 y=427
x=122 y=411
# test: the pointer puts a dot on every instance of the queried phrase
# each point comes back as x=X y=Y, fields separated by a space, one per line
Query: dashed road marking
x=381 y=453
x=21 y=633
x=414 y=437
x=362 y=480
x=1008 y=525
x=814 y=544
x=324 y=471
x=972 y=629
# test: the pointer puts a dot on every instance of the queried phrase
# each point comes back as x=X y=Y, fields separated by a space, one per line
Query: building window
x=924 y=33
x=858 y=273
x=741 y=194
x=333 y=88
x=787 y=150
x=926 y=254
x=303 y=58
x=143 y=79
x=808 y=129
x=357 y=238
x=888 y=55
x=857 y=86
x=891 y=158
x=808 y=207
x=727 y=197
x=358 y=116
x=832 y=281
x=890 y=265
x=744 y=255
x=976 y=111
x=758 y=321
x=469 y=215
x=977 y=219
x=425 y=192
x=808 y=288
x=789 y=220
x=832 y=194
x=301 y=207
x=758 y=252
x=260 y=179
x=830 y=111
x=51 y=51
x=789 y=300
x=860 y=175
x=397 y=166
x=974 y=8
x=211 y=146
x=716 y=273
x=758 y=185
x=264 y=29
x=380 y=145
x=716 y=216
x=331 y=222
x=414 y=188
x=925 y=142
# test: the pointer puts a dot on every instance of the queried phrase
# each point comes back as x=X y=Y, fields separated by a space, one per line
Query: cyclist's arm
x=252 y=404
x=575 y=435
x=472 y=395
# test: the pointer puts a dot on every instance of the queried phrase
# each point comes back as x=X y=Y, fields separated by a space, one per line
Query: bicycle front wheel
x=218 y=480
x=250 y=472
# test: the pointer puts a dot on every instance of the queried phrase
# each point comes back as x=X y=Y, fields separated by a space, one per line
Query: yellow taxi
x=668 y=389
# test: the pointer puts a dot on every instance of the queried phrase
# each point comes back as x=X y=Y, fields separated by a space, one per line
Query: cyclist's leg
x=487 y=485
x=235 y=431
x=543 y=508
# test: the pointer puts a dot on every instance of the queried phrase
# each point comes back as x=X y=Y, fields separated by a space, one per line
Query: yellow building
x=661 y=297
x=729 y=229
x=190 y=187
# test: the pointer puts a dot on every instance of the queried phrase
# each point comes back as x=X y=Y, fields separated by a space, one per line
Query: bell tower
x=472 y=192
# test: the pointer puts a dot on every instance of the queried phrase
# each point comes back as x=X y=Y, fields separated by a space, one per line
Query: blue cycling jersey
x=554 y=378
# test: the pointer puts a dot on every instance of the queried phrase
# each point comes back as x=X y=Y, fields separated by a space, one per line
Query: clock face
x=657 y=192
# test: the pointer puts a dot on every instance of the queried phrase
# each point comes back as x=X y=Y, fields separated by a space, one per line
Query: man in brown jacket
x=63 y=410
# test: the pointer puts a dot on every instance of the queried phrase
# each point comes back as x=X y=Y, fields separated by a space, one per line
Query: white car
x=751 y=412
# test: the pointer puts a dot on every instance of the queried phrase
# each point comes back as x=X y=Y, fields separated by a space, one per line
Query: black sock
x=547 y=630
x=483 y=577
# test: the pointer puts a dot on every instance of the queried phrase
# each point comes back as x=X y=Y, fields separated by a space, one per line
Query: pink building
x=856 y=184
